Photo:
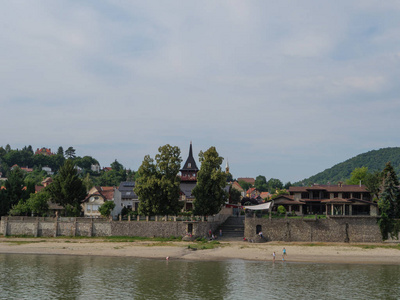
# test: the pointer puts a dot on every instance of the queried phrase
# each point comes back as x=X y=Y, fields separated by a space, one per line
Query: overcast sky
x=283 y=89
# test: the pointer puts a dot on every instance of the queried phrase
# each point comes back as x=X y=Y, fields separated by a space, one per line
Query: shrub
x=281 y=210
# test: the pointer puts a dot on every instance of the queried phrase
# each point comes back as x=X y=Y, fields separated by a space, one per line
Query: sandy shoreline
x=296 y=252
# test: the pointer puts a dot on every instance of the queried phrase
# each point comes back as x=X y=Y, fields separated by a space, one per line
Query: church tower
x=189 y=170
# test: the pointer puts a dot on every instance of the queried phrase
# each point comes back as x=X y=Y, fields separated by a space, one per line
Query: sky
x=283 y=89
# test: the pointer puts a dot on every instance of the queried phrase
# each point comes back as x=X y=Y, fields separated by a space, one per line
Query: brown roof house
x=95 y=198
x=332 y=200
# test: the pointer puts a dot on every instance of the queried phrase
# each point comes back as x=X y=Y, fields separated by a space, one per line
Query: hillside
x=374 y=160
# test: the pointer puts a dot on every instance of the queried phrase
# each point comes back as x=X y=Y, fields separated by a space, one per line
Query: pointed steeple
x=189 y=169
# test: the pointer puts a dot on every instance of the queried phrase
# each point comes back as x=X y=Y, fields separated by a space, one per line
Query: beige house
x=95 y=198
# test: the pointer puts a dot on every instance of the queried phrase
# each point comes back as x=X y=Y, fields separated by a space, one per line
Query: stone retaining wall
x=335 y=229
x=99 y=227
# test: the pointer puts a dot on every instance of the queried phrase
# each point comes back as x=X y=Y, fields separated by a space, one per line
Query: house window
x=335 y=195
x=88 y=208
x=346 y=195
x=189 y=165
x=315 y=194
x=304 y=195
x=95 y=207
x=325 y=195
x=357 y=195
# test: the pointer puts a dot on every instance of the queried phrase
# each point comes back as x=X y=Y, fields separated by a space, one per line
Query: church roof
x=190 y=164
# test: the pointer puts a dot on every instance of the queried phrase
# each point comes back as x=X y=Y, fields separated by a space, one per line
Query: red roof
x=247 y=179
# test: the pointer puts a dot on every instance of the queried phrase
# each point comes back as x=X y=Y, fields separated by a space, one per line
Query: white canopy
x=263 y=206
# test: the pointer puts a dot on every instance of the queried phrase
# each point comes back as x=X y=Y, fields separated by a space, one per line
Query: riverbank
x=296 y=252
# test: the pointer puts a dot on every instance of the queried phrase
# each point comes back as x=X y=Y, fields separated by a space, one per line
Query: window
x=346 y=195
x=189 y=165
x=305 y=195
x=357 y=195
x=335 y=195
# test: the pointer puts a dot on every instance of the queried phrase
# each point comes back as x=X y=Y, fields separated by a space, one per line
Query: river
x=95 y=277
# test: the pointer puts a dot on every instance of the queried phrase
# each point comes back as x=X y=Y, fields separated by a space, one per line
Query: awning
x=263 y=206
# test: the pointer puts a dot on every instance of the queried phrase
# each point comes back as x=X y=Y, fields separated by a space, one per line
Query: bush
x=281 y=210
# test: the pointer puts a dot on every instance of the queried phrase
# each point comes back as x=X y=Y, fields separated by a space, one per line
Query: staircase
x=232 y=229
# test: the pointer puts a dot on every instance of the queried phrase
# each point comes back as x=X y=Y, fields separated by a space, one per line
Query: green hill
x=374 y=160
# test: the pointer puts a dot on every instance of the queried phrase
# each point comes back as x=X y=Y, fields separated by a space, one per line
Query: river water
x=85 y=277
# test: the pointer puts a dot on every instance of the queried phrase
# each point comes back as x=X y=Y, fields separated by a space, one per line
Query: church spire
x=189 y=170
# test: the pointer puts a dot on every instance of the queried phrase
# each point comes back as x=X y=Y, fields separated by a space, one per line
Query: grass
x=139 y=239
x=204 y=245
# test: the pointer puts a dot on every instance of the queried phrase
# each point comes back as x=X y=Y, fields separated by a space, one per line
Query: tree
x=37 y=204
x=245 y=185
x=60 y=151
x=14 y=190
x=158 y=185
x=67 y=189
x=87 y=182
x=358 y=175
x=373 y=183
x=209 y=191
x=274 y=184
x=389 y=200
x=117 y=166
x=261 y=183
x=234 y=195
x=70 y=152
x=106 y=209
x=229 y=177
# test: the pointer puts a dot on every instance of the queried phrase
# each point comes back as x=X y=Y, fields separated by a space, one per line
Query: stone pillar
x=147 y=218
x=5 y=226
x=36 y=230
x=75 y=228
x=174 y=218
x=156 y=218
x=344 y=209
x=350 y=210
x=91 y=228
x=301 y=209
x=165 y=218
x=332 y=209
x=55 y=226
x=137 y=218
x=129 y=218
x=120 y=217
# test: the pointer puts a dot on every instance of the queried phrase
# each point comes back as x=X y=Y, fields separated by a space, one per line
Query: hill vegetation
x=374 y=160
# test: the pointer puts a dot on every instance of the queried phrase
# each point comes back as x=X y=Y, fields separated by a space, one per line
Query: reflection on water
x=85 y=277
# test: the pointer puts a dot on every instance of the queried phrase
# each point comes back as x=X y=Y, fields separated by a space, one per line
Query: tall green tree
x=14 y=190
x=158 y=185
x=274 y=184
x=67 y=189
x=117 y=166
x=245 y=185
x=60 y=151
x=261 y=183
x=358 y=175
x=209 y=191
x=234 y=195
x=389 y=201
x=70 y=152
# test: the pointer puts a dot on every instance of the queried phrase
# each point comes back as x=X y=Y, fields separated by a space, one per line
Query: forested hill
x=374 y=160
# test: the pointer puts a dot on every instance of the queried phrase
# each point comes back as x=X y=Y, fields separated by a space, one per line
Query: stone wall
x=50 y=227
x=334 y=229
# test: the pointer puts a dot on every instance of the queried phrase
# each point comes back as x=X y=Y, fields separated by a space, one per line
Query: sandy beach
x=296 y=252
